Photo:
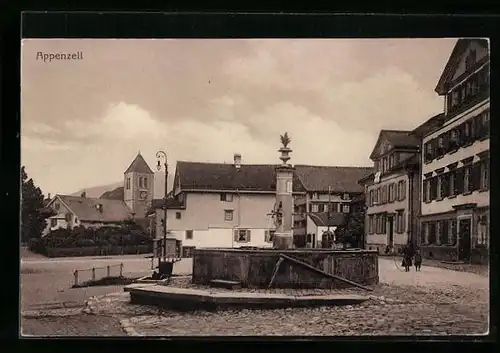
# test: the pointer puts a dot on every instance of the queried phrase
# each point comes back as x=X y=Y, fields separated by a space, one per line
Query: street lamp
x=162 y=155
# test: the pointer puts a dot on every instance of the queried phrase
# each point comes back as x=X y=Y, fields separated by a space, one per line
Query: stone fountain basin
x=254 y=268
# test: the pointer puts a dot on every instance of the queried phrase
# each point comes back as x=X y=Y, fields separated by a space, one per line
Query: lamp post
x=159 y=155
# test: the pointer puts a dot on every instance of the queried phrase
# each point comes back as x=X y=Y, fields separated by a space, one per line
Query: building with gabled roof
x=455 y=163
x=392 y=191
x=328 y=189
x=73 y=211
x=222 y=205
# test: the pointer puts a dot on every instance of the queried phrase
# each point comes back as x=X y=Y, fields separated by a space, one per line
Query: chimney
x=48 y=196
x=237 y=161
x=83 y=194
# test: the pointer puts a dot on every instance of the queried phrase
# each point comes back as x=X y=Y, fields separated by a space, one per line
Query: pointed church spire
x=139 y=165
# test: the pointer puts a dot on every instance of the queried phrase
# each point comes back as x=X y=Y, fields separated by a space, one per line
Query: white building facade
x=455 y=218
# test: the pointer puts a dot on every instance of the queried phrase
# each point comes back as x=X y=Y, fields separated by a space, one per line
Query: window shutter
x=248 y=235
x=476 y=176
x=235 y=234
x=459 y=181
x=424 y=190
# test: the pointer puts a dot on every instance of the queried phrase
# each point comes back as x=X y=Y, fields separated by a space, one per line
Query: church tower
x=138 y=186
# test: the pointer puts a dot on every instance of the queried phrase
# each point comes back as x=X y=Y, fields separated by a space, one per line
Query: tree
x=33 y=217
x=353 y=230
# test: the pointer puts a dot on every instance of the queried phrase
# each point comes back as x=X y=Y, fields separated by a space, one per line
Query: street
x=433 y=301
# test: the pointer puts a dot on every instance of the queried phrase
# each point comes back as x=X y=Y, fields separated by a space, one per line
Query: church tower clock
x=138 y=186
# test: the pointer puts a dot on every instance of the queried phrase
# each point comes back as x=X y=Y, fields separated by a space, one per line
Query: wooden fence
x=91 y=274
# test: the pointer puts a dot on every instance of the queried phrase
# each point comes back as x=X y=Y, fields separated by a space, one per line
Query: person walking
x=418 y=260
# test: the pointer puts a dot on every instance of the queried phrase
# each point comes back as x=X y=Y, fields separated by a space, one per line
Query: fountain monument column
x=283 y=237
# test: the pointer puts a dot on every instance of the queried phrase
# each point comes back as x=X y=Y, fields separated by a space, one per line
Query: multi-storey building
x=392 y=192
x=455 y=160
x=324 y=186
x=221 y=205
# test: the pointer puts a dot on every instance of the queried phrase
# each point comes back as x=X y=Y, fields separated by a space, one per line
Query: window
x=370 y=198
x=145 y=182
x=128 y=184
x=445 y=185
x=345 y=208
x=400 y=221
x=428 y=152
x=431 y=237
x=370 y=224
x=269 y=235
x=140 y=182
x=459 y=181
x=453 y=140
x=454 y=98
x=189 y=234
x=226 y=197
x=178 y=215
x=315 y=195
x=76 y=219
x=242 y=235
x=315 y=207
x=228 y=215
x=57 y=206
x=452 y=176
x=440 y=146
x=423 y=232
x=485 y=123
x=453 y=231
x=345 y=197
x=433 y=188
x=335 y=207
x=321 y=207
x=402 y=190
x=470 y=61
x=439 y=185
x=53 y=222
x=310 y=207
x=485 y=175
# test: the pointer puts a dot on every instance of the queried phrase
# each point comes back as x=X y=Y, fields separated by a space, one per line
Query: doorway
x=178 y=248
x=464 y=239
x=390 y=232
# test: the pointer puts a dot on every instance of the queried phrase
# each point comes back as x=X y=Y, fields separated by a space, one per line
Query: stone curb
x=128 y=328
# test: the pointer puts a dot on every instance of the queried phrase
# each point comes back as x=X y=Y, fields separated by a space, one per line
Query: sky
x=83 y=121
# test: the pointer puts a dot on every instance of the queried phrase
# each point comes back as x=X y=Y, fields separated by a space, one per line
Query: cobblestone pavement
x=71 y=325
x=435 y=301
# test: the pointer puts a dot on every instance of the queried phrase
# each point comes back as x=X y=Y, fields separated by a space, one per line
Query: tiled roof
x=429 y=126
x=172 y=203
x=139 y=165
x=217 y=176
x=321 y=219
x=397 y=139
x=341 y=179
x=86 y=209
x=401 y=138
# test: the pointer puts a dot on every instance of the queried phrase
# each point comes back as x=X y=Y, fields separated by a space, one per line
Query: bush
x=128 y=234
